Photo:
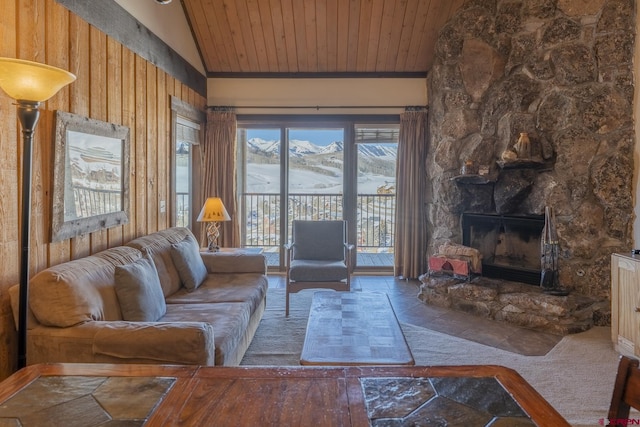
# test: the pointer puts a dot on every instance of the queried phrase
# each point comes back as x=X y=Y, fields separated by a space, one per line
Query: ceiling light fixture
x=163 y=1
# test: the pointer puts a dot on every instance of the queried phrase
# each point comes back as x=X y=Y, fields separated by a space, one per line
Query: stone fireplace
x=564 y=75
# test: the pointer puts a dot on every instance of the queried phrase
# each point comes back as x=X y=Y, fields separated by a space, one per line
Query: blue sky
x=317 y=136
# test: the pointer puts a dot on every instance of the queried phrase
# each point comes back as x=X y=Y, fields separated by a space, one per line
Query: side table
x=235 y=251
x=234 y=260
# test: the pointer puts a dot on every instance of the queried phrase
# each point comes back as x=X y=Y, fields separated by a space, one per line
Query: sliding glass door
x=377 y=153
x=332 y=171
x=315 y=178
x=260 y=182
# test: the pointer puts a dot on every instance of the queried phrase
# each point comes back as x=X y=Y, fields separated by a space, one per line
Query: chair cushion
x=317 y=271
x=319 y=240
x=139 y=291
x=188 y=262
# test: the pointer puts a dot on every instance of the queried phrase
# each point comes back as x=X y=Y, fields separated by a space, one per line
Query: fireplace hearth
x=511 y=248
x=512 y=302
x=509 y=244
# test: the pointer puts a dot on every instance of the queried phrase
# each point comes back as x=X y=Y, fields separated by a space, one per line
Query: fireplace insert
x=509 y=244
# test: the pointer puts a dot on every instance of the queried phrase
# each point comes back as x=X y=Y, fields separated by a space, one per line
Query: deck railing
x=182 y=209
x=94 y=201
x=375 y=217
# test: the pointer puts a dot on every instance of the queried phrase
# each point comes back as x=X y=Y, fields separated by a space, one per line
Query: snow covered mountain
x=374 y=150
x=317 y=168
x=299 y=148
x=258 y=145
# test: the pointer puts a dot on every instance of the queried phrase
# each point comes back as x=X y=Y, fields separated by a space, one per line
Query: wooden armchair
x=626 y=391
x=318 y=257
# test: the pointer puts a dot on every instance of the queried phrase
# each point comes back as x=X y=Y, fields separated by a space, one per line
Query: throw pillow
x=139 y=291
x=188 y=262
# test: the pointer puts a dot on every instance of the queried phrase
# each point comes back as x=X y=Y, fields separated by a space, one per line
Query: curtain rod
x=316 y=107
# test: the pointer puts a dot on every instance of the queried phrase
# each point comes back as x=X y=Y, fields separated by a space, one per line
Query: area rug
x=576 y=376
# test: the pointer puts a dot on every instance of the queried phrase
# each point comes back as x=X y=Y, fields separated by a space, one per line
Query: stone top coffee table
x=354 y=328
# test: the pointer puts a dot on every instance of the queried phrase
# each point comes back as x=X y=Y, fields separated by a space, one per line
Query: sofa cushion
x=139 y=291
x=81 y=290
x=229 y=320
x=158 y=245
x=241 y=287
x=188 y=262
x=175 y=342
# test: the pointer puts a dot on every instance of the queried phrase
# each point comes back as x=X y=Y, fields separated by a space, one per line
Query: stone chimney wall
x=561 y=70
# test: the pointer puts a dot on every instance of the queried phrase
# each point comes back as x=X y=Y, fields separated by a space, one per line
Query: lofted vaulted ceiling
x=262 y=37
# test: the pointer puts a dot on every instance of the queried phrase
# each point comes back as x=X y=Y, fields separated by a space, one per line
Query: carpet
x=576 y=376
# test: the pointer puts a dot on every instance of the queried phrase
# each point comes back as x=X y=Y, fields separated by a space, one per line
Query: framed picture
x=91 y=176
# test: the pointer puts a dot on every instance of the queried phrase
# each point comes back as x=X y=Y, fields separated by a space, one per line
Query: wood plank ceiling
x=262 y=37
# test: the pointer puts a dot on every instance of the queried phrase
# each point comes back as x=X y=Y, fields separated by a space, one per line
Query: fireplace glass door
x=510 y=245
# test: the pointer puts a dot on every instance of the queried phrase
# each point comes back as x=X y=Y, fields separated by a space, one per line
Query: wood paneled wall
x=113 y=84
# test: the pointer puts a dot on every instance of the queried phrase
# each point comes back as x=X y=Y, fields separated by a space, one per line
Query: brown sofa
x=81 y=312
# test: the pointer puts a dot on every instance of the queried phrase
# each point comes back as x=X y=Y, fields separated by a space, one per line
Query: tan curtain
x=219 y=172
x=410 y=236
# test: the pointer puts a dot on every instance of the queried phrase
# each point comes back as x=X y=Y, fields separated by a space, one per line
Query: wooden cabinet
x=625 y=303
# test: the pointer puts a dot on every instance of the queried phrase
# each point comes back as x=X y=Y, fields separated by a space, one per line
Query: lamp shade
x=213 y=211
x=31 y=81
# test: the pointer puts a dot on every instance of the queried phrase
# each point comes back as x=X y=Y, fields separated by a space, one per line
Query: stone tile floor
x=409 y=309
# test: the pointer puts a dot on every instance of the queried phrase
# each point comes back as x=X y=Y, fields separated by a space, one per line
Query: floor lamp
x=29 y=83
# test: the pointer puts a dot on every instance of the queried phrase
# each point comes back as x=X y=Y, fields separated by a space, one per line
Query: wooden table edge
x=531 y=401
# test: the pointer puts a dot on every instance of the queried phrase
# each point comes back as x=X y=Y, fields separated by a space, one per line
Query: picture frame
x=90 y=176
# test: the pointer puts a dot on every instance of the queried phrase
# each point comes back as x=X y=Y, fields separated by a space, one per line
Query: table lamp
x=29 y=83
x=212 y=213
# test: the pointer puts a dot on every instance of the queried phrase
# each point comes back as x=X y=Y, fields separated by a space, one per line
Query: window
x=186 y=121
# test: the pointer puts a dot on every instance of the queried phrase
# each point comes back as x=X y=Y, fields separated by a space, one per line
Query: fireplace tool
x=550 y=252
